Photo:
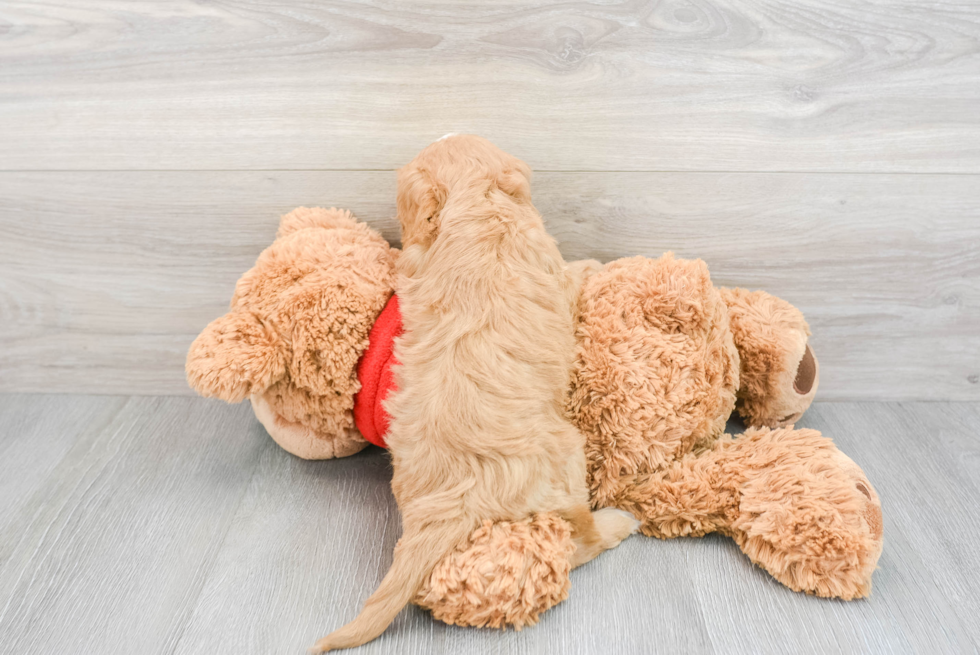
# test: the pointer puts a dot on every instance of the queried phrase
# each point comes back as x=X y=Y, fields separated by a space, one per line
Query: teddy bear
x=662 y=360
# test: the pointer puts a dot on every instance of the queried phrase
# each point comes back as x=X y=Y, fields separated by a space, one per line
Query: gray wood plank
x=712 y=85
x=311 y=540
x=923 y=600
x=36 y=432
x=176 y=526
x=115 y=545
x=106 y=278
x=289 y=572
x=932 y=489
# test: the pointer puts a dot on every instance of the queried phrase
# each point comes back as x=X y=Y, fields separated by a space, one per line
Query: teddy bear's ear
x=234 y=357
x=304 y=217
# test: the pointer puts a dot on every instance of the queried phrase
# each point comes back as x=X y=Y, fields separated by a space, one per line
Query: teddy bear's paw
x=871 y=503
x=796 y=399
x=811 y=518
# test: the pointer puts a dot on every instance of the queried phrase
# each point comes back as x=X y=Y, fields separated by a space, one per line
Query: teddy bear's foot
x=778 y=372
x=304 y=441
x=506 y=574
x=795 y=504
x=809 y=516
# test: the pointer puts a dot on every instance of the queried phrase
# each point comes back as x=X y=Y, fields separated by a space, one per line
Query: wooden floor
x=175 y=525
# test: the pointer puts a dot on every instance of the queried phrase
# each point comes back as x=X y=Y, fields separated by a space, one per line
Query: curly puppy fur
x=298 y=324
x=478 y=430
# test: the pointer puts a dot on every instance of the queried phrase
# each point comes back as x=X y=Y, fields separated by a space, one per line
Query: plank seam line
x=535 y=170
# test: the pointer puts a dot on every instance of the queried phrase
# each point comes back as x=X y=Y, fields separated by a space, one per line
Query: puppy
x=478 y=429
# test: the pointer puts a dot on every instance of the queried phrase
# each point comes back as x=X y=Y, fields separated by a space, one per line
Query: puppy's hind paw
x=615 y=525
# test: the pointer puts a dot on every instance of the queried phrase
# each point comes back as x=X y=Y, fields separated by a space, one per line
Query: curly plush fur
x=656 y=368
x=463 y=590
x=298 y=324
x=792 y=501
x=779 y=374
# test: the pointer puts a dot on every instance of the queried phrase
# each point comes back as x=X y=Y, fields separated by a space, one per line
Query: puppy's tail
x=416 y=555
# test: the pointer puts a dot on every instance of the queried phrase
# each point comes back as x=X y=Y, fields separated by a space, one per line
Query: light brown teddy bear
x=663 y=357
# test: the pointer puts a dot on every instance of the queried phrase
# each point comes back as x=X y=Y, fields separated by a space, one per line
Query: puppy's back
x=488 y=343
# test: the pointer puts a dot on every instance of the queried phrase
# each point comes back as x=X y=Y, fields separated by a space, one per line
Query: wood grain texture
x=175 y=525
x=105 y=279
x=809 y=85
x=36 y=433
x=112 y=548
x=931 y=523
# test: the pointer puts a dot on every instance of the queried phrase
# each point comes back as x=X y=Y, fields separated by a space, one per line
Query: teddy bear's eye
x=428 y=219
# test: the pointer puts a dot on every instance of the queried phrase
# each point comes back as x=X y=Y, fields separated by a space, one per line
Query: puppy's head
x=455 y=163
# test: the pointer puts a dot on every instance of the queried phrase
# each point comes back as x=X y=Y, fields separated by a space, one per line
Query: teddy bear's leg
x=778 y=373
x=687 y=499
x=810 y=518
x=506 y=574
x=795 y=504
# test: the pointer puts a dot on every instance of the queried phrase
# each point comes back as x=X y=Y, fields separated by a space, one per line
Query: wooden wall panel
x=105 y=279
x=720 y=85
